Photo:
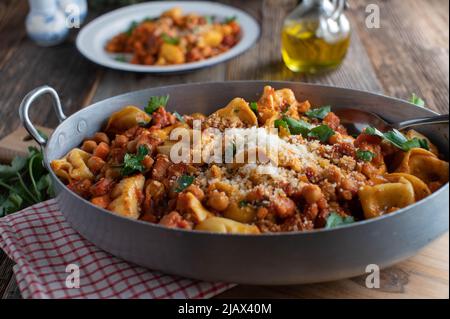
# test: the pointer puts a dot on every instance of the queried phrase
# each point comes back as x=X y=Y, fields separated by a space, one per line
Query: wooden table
x=409 y=53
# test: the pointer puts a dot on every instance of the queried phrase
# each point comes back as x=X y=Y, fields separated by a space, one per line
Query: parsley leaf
x=319 y=113
x=210 y=19
x=297 y=127
x=179 y=117
x=280 y=123
x=131 y=28
x=322 y=133
x=336 y=220
x=120 y=58
x=25 y=182
x=243 y=203
x=254 y=107
x=17 y=164
x=132 y=163
x=230 y=19
x=397 y=139
x=366 y=156
x=155 y=103
x=170 y=40
x=417 y=100
x=183 y=182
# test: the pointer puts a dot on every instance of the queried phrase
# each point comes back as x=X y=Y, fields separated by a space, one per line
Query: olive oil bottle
x=315 y=36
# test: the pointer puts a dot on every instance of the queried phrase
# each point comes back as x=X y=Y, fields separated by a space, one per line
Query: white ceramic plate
x=92 y=38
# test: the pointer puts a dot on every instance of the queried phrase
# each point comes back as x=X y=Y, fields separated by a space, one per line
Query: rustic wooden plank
x=6 y=273
x=17 y=143
x=25 y=66
x=422 y=276
x=263 y=61
x=410 y=50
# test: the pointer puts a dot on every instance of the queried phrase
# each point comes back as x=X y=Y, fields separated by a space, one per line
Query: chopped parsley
x=243 y=203
x=120 y=58
x=183 y=182
x=417 y=100
x=397 y=139
x=155 y=103
x=366 y=156
x=179 y=117
x=336 y=220
x=230 y=19
x=319 y=113
x=131 y=28
x=132 y=163
x=297 y=127
x=170 y=40
x=254 y=107
x=322 y=133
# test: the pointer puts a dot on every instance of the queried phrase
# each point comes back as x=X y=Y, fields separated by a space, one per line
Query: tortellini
x=126 y=196
x=226 y=226
x=424 y=165
x=73 y=166
x=384 y=198
x=238 y=110
x=126 y=118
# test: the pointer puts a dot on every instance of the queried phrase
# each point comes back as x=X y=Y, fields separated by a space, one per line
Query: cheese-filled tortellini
x=126 y=118
x=226 y=226
x=73 y=166
x=126 y=196
x=237 y=111
x=385 y=198
x=426 y=166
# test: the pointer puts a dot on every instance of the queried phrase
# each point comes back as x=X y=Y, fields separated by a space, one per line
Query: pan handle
x=28 y=101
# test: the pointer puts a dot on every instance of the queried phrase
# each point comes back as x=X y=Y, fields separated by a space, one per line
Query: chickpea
x=132 y=146
x=196 y=191
x=89 y=146
x=218 y=200
x=101 y=137
x=262 y=212
x=148 y=162
x=312 y=193
x=95 y=164
x=121 y=140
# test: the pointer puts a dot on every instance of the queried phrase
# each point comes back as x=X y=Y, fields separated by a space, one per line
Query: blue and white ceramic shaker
x=46 y=24
x=75 y=10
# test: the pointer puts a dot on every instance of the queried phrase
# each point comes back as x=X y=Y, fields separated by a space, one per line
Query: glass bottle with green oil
x=315 y=36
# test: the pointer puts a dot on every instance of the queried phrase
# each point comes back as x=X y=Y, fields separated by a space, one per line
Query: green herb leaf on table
x=322 y=133
x=25 y=182
x=417 y=100
x=155 y=103
x=336 y=220
x=183 y=182
x=170 y=40
x=132 y=163
x=366 y=156
x=319 y=113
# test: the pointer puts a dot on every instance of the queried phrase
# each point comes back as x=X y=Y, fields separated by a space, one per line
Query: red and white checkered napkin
x=43 y=244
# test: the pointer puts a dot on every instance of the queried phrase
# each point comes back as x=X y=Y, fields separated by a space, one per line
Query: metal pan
x=268 y=259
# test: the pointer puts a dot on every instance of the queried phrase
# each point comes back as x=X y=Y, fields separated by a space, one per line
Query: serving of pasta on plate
x=298 y=168
x=174 y=38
